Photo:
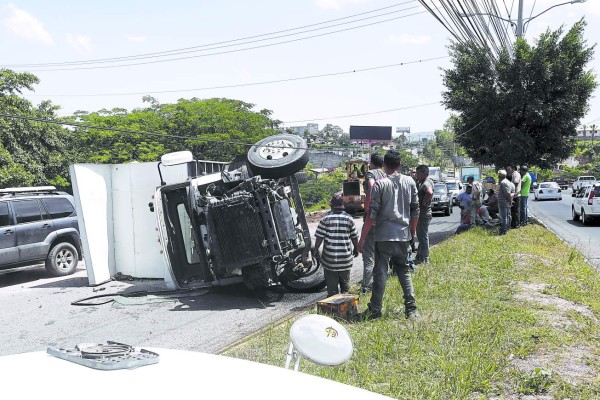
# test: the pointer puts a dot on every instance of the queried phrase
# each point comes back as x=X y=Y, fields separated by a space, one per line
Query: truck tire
x=255 y=277
x=62 y=259
x=278 y=156
x=301 y=177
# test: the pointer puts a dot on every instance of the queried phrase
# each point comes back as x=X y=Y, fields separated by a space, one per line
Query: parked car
x=39 y=225
x=547 y=191
x=247 y=222
x=442 y=199
x=454 y=187
x=489 y=179
x=586 y=204
x=583 y=181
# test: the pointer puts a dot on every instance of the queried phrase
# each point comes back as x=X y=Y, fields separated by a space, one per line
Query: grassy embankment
x=500 y=317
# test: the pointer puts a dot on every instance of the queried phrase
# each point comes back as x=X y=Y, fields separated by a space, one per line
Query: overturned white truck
x=246 y=223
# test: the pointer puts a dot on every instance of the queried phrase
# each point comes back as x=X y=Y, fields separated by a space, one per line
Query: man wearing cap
x=505 y=199
x=525 y=187
x=338 y=232
x=395 y=210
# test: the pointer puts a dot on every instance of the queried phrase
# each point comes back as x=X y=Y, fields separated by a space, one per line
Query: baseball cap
x=524 y=168
x=502 y=172
x=337 y=201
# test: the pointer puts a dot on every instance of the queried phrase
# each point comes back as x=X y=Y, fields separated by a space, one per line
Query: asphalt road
x=36 y=311
x=556 y=215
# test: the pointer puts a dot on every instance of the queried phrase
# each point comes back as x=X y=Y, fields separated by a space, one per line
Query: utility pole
x=520 y=20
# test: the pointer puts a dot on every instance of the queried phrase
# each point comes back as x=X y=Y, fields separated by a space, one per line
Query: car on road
x=489 y=179
x=583 y=181
x=442 y=199
x=586 y=204
x=454 y=187
x=39 y=225
x=245 y=224
x=547 y=191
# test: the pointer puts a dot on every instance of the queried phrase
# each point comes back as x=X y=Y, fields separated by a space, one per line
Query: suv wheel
x=584 y=219
x=62 y=259
x=278 y=156
x=575 y=216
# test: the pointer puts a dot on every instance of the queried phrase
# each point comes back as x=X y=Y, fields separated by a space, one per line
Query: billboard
x=371 y=133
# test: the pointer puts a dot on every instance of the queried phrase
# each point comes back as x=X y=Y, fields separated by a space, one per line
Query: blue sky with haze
x=43 y=32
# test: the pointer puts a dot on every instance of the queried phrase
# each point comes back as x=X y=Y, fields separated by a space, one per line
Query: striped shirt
x=337 y=230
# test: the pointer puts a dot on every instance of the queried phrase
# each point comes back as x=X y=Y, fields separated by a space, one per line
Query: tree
x=31 y=153
x=213 y=129
x=522 y=109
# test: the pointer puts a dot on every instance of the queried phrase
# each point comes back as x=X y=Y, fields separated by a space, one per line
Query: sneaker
x=419 y=261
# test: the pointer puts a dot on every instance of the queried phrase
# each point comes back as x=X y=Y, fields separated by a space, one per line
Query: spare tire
x=278 y=156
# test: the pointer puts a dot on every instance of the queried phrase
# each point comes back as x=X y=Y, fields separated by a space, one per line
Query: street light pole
x=520 y=20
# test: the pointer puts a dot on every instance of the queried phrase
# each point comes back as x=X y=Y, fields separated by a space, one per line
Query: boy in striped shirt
x=338 y=232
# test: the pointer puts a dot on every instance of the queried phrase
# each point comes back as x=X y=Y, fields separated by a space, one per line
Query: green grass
x=482 y=333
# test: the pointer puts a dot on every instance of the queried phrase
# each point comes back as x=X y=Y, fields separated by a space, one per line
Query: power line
x=247 y=84
x=229 y=51
x=185 y=49
x=360 y=115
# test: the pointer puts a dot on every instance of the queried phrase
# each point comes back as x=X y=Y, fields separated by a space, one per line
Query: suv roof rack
x=30 y=189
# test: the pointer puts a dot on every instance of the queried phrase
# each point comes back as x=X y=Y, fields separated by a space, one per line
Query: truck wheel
x=575 y=216
x=278 y=156
x=304 y=280
x=447 y=211
x=301 y=177
x=255 y=277
x=62 y=259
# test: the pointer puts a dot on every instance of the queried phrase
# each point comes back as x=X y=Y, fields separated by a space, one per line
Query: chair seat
x=321 y=339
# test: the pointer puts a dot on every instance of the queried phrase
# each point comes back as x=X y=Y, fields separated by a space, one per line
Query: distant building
x=311 y=129
x=588 y=132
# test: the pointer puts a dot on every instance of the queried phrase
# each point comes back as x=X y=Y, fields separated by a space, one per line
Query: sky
x=382 y=69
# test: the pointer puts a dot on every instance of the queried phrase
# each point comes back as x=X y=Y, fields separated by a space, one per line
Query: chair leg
x=290 y=355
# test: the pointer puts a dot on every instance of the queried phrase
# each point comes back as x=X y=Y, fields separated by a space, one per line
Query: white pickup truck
x=586 y=204
x=583 y=181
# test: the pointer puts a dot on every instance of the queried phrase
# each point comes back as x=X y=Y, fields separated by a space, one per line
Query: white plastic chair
x=320 y=339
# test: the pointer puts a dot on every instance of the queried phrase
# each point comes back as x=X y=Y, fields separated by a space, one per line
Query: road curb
x=264 y=329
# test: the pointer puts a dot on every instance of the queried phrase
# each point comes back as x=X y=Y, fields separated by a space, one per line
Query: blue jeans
x=397 y=252
x=524 y=210
x=423 y=237
x=504 y=218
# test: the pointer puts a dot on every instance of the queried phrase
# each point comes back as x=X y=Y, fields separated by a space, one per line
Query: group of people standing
x=392 y=214
x=513 y=197
x=398 y=209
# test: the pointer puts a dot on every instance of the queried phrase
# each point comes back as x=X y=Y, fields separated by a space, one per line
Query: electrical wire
x=360 y=115
x=247 y=84
x=185 y=49
x=229 y=51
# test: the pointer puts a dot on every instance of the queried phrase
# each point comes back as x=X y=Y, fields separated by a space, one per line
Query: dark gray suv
x=39 y=224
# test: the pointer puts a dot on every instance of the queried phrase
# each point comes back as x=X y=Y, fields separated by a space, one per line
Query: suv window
x=58 y=207
x=4 y=217
x=27 y=211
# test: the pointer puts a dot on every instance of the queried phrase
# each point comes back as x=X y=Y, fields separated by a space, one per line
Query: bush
x=318 y=190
